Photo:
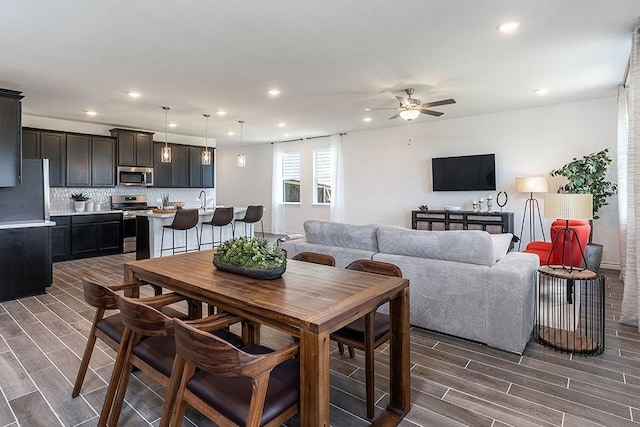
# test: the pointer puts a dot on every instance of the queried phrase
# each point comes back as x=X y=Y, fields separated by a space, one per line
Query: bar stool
x=221 y=218
x=184 y=220
x=251 y=216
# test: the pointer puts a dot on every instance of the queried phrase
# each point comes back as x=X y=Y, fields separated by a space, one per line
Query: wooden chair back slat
x=316 y=258
x=377 y=267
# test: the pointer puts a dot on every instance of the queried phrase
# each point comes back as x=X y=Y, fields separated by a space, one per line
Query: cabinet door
x=31 y=144
x=195 y=167
x=180 y=166
x=126 y=148
x=61 y=238
x=109 y=236
x=144 y=149
x=103 y=165
x=78 y=160
x=10 y=139
x=161 y=171
x=84 y=238
x=53 y=147
x=25 y=262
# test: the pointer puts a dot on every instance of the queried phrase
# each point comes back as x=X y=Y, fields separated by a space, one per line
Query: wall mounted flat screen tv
x=464 y=173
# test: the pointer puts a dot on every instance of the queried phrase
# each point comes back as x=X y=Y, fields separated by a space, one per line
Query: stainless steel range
x=129 y=205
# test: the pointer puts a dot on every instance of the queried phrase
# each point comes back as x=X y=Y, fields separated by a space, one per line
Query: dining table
x=309 y=302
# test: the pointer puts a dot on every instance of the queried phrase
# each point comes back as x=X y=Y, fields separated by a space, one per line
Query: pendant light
x=166 y=150
x=206 y=154
x=242 y=158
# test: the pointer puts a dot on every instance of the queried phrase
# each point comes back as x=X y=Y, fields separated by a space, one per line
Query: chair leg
x=162 y=242
x=369 y=363
x=88 y=351
x=340 y=348
x=262 y=226
x=123 y=383
x=115 y=379
x=352 y=351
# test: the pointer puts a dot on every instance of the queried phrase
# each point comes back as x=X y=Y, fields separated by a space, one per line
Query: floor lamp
x=567 y=207
x=532 y=184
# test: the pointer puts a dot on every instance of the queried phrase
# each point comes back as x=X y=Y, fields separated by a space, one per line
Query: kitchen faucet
x=204 y=201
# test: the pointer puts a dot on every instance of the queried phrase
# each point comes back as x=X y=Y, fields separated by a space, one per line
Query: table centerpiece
x=254 y=258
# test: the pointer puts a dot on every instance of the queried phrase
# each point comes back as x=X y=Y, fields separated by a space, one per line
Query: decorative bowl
x=250 y=272
x=453 y=208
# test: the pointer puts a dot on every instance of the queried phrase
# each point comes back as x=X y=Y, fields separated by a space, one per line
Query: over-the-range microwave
x=135 y=176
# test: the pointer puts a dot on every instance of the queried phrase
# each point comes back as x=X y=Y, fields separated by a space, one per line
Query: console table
x=492 y=222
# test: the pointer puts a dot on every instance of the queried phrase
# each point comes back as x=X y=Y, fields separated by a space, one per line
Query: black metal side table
x=570 y=310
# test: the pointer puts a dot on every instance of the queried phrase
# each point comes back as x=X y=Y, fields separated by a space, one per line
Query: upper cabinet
x=185 y=169
x=10 y=137
x=200 y=176
x=135 y=148
x=44 y=144
x=103 y=161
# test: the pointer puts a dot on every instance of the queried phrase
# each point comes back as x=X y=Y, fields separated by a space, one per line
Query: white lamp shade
x=568 y=206
x=165 y=155
x=409 y=115
x=242 y=160
x=206 y=157
x=532 y=184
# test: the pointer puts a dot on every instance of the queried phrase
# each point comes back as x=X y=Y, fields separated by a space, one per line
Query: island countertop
x=68 y=213
x=202 y=212
x=4 y=225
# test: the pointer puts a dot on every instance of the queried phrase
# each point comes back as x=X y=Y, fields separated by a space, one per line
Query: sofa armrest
x=510 y=299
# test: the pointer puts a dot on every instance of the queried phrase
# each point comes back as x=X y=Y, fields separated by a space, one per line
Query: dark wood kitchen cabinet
x=103 y=161
x=200 y=176
x=43 y=144
x=161 y=171
x=61 y=238
x=135 y=148
x=25 y=262
x=78 y=160
x=10 y=137
x=179 y=166
x=96 y=235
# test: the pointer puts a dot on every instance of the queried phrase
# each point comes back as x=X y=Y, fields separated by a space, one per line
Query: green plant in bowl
x=79 y=197
x=255 y=258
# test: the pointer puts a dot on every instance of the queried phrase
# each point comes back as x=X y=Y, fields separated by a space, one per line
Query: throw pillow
x=501 y=243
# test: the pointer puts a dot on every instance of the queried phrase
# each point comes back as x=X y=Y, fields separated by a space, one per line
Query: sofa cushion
x=466 y=246
x=501 y=244
x=343 y=235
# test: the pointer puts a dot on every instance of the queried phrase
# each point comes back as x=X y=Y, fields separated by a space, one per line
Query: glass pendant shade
x=409 y=115
x=242 y=160
x=206 y=154
x=165 y=155
x=206 y=157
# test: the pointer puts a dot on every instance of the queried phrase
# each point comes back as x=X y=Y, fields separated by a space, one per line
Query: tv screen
x=464 y=173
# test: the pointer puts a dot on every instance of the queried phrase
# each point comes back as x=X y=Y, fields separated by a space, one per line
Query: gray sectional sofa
x=459 y=285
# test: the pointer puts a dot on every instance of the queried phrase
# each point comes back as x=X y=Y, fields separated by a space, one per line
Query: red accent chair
x=572 y=253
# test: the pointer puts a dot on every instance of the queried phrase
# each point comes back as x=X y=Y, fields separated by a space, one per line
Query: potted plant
x=588 y=175
x=254 y=258
x=79 y=201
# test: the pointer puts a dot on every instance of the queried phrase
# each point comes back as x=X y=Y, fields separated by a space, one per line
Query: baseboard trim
x=610 y=266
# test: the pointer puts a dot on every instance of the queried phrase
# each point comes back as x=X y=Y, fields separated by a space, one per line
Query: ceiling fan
x=410 y=107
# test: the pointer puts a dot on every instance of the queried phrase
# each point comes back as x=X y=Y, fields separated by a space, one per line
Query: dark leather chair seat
x=355 y=330
x=231 y=395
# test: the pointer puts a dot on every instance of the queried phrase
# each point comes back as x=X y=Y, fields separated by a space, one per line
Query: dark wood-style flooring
x=454 y=382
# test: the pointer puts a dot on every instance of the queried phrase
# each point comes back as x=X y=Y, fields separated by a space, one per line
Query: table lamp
x=568 y=207
x=532 y=184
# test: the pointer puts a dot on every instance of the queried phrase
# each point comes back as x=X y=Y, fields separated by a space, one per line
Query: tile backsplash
x=60 y=198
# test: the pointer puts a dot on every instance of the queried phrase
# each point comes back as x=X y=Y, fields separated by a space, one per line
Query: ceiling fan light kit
x=409 y=115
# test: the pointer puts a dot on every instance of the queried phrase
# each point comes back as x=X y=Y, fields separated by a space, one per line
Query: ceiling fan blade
x=430 y=112
x=404 y=102
x=437 y=103
x=395 y=116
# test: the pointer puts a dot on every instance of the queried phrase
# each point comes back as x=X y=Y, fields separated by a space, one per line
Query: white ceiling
x=330 y=58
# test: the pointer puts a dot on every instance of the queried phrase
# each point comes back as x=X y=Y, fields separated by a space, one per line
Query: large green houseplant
x=588 y=175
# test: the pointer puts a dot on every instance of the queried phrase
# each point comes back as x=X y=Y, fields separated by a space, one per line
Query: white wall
x=388 y=171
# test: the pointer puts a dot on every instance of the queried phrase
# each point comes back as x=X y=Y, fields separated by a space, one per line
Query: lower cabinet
x=86 y=236
x=25 y=262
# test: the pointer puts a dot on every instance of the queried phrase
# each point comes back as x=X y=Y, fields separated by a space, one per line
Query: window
x=322 y=176
x=291 y=177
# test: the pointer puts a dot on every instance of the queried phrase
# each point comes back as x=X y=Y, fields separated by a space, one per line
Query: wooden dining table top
x=308 y=296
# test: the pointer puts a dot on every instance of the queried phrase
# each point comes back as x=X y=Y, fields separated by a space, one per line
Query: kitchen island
x=149 y=232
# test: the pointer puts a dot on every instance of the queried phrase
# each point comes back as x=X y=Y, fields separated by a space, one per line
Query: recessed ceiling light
x=367 y=119
x=508 y=26
x=367 y=109
x=221 y=112
x=134 y=94
x=230 y=133
x=282 y=124
x=90 y=113
x=172 y=125
x=273 y=92
x=542 y=91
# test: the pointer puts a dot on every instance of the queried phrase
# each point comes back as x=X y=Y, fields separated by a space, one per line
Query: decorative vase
x=79 y=206
x=250 y=272
x=593 y=255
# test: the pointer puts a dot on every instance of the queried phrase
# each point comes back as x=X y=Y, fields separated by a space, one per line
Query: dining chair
x=315 y=258
x=154 y=355
x=109 y=328
x=251 y=216
x=183 y=220
x=369 y=332
x=221 y=218
x=253 y=386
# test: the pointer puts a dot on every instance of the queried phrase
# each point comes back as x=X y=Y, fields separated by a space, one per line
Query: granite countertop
x=84 y=213
x=4 y=225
